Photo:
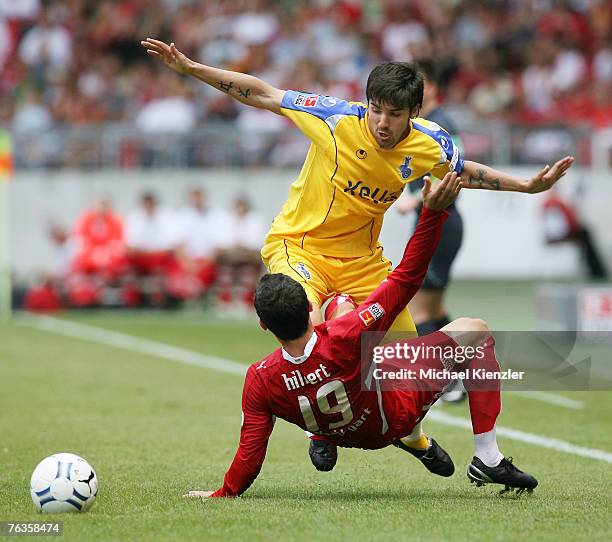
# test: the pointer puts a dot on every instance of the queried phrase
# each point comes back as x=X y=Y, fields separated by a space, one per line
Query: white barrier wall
x=503 y=233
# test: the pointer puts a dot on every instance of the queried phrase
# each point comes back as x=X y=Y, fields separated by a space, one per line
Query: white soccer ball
x=63 y=483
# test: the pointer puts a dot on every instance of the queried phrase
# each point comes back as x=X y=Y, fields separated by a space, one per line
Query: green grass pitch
x=153 y=429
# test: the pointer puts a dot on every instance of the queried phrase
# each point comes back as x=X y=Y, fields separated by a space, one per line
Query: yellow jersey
x=336 y=206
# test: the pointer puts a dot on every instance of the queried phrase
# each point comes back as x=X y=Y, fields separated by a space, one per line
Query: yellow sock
x=420 y=443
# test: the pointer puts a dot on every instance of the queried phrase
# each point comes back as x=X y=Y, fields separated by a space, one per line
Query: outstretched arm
x=477 y=175
x=382 y=306
x=257 y=424
x=243 y=87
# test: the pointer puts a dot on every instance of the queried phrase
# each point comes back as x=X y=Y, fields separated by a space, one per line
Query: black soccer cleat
x=435 y=458
x=323 y=455
x=506 y=473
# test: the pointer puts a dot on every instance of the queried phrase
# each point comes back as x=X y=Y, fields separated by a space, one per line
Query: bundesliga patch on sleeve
x=454 y=159
x=306 y=100
x=371 y=314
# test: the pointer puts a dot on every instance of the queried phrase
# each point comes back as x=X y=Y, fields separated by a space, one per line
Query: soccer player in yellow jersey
x=361 y=156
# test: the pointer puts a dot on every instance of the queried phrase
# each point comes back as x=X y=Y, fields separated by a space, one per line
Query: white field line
x=551 y=398
x=514 y=434
x=179 y=355
x=128 y=342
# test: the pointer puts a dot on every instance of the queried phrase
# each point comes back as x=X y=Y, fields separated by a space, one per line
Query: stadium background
x=88 y=114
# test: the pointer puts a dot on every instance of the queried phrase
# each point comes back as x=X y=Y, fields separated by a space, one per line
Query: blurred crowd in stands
x=79 y=62
x=154 y=257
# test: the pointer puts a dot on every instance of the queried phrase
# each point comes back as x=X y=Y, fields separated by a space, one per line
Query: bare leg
x=315 y=314
x=467 y=331
x=341 y=310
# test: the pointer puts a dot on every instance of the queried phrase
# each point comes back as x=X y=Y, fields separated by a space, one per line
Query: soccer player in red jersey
x=315 y=379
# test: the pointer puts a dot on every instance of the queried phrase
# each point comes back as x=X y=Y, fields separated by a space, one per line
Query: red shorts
x=100 y=260
x=151 y=263
x=407 y=400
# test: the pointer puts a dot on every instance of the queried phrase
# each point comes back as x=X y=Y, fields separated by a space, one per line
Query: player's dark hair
x=396 y=83
x=282 y=305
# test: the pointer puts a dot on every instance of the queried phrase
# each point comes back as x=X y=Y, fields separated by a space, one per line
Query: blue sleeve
x=445 y=141
x=322 y=107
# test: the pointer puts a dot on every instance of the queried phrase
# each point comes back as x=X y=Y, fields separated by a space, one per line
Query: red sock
x=484 y=394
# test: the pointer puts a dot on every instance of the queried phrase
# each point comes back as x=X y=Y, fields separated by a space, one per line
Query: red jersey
x=322 y=391
x=100 y=243
x=94 y=229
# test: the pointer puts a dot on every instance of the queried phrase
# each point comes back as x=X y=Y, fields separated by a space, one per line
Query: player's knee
x=468 y=331
x=316 y=315
x=479 y=325
x=466 y=324
x=479 y=330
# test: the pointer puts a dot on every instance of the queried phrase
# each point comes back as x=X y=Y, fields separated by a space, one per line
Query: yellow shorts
x=324 y=276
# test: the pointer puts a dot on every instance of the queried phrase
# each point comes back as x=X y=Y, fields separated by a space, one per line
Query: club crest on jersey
x=405 y=169
x=328 y=101
x=306 y=100
x=303 y=270
x=445 y=143
x=371 y=314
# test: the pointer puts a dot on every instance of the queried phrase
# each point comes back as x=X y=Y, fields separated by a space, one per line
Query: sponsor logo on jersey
x=371 y=314
x=376 y=195
x=303 y=270
x=295 y=379
x=353 y=427
x=306 y=100
x=445 y=142
x=328 y=101
x=311 y=101
x=361 y=154
x=405 y=169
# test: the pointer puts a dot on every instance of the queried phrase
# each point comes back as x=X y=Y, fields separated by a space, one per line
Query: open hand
x=443 y=194
x=548 y=176
x=171 y=56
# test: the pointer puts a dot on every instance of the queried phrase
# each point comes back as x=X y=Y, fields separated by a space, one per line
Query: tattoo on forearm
x=482 y=181
x=244 y=93
x=226 y=87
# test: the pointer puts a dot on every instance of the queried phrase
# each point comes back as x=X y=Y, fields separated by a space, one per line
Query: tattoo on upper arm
x=482 y=181
x=226 y=87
